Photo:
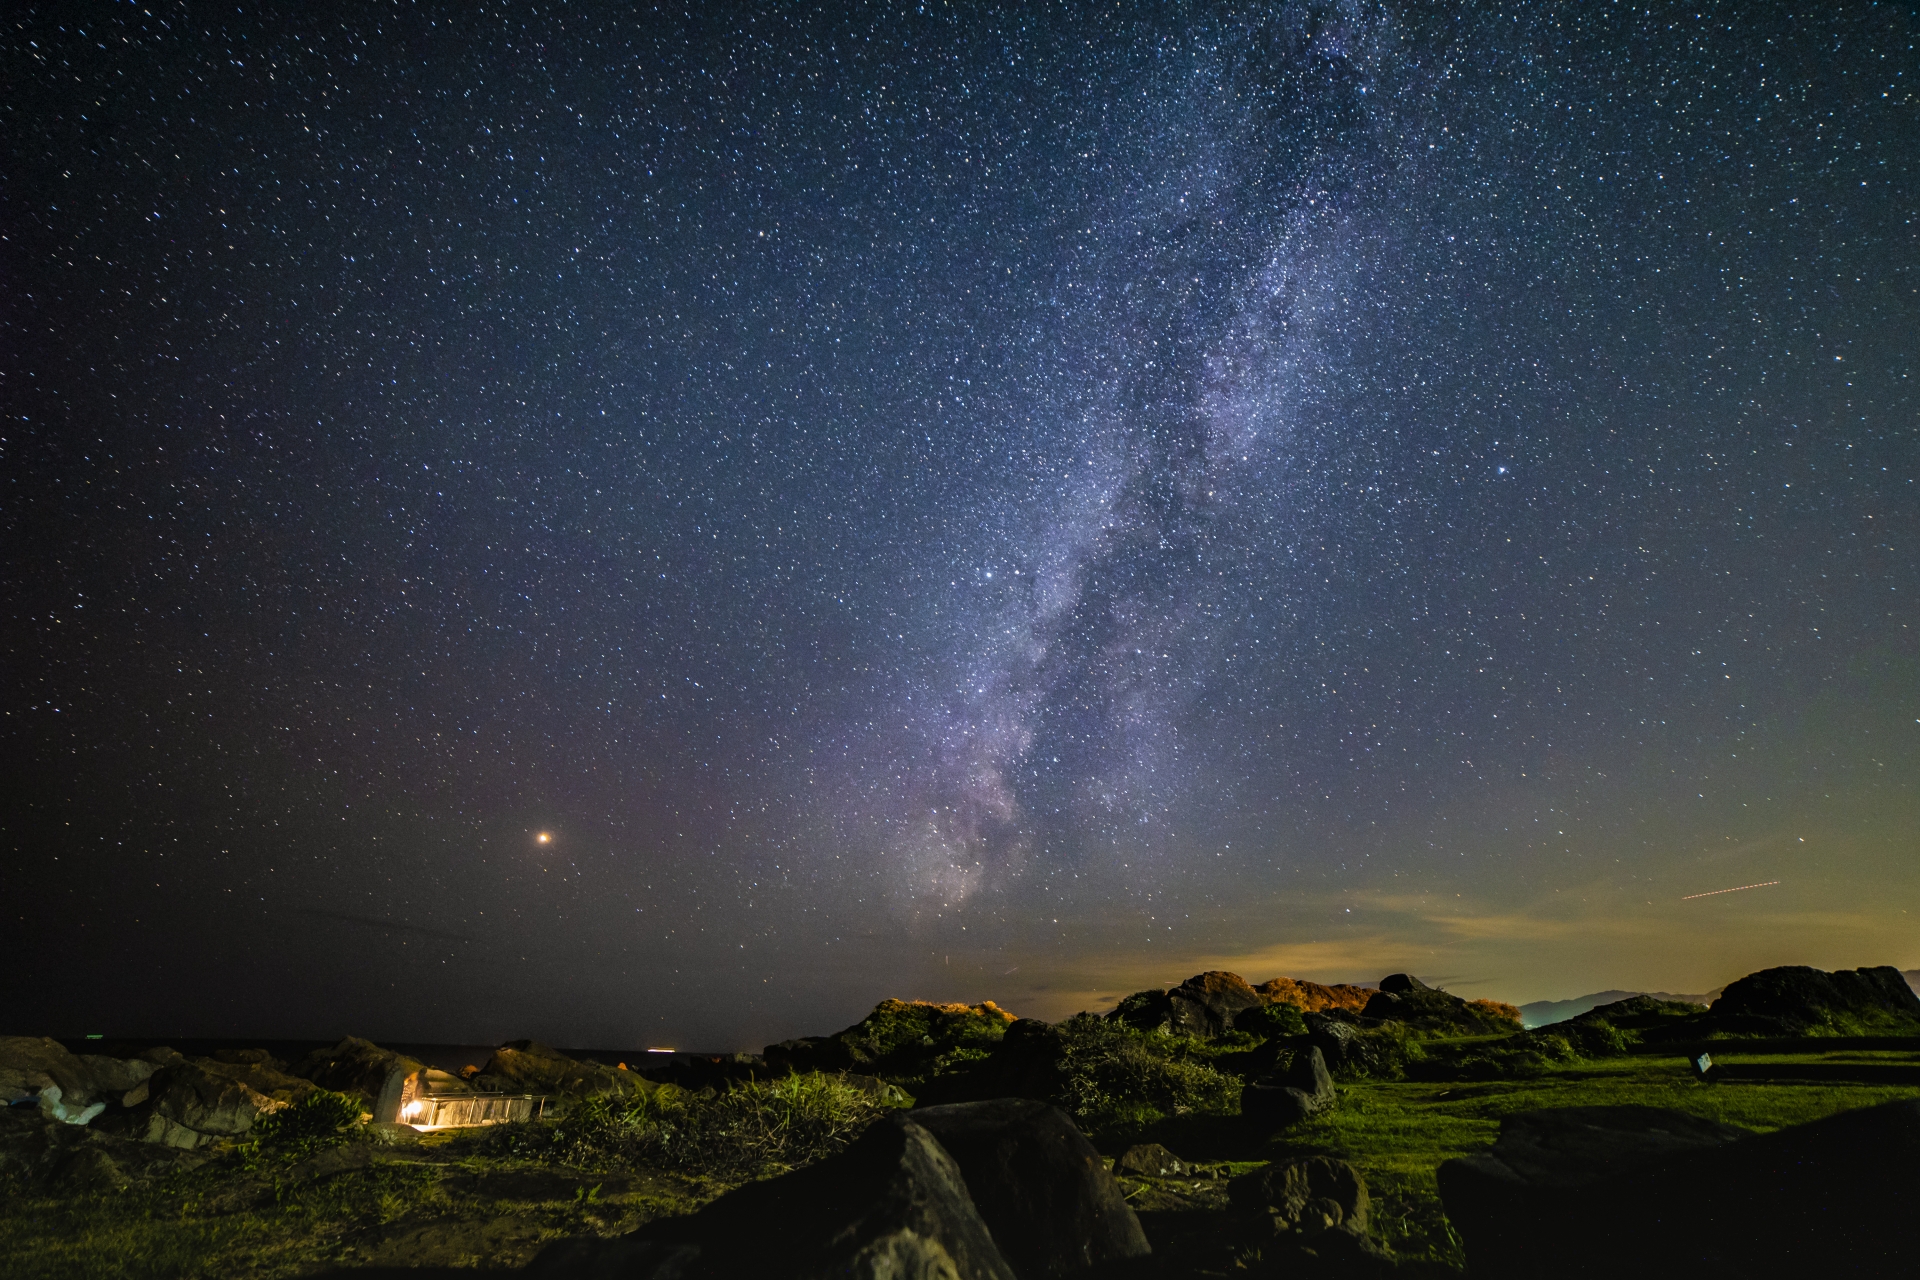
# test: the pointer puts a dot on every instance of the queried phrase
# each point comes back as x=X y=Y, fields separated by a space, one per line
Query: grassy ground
x=445 y=1203
x=1399 y=1133
x=466 y=1200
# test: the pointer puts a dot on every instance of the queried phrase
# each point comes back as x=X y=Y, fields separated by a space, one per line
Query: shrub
x=1380 y=1053
x=1114 y=1074
x=1270 y=1020
x=1496 y=1012
x=321 y=1119
x=757 y=1128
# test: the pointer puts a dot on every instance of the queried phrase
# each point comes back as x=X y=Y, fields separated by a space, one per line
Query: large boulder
x=199 y=1101
x=1149 y=1160
x=1336 y=1040
x=528 y=1066
x=1205 y=1004
x=1797 y=1000
x=1311 y=1195
x=1681 y=1196
x=1309 y=1217
x=1043 y=1190
x=891 y=1206
x=379 y=1076
x=1304 y=1089
x=30 y=1064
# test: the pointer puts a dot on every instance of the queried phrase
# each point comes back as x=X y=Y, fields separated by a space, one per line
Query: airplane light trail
x=1737 y=888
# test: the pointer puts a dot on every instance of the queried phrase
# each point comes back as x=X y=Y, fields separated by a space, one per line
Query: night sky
x=947 y=501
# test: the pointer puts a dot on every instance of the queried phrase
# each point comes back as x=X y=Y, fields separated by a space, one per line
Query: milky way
x=910 y=496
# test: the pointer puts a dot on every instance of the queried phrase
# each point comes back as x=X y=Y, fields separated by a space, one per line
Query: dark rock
x=894 y=1204
x=810 y=1053
x=1795 y=999
x=1308 y=1196
x=1397 y=983
x=1305 y=1089
x=249 y=1058
x=356 y=1066
x=1333 y=1037
x=1043 y=1190
x=1309 y=1217
x=1404 y=998
x=906 y=1040
x=1029 y=1062
x=196 y=1103
x=1205 y=1004
x=527 y=1066
x=1148 y=1011
x=30 y=1064
x=1681 y=1196
x=1149 y=1160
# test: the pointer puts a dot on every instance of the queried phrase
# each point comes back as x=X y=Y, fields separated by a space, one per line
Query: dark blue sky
x=948 y=501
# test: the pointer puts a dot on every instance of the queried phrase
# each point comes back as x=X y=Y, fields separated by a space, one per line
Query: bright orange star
x=545 y=837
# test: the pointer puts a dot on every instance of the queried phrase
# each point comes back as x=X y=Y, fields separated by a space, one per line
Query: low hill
x=1544 y=1013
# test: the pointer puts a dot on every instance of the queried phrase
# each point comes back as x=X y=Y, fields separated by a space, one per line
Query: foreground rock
x=1681 y=1196
x=1043 y=1190
x=1149 y=1160
x=892 y=1205
x=1305 y=1089
x=1309 y=1216
x=30 y=1065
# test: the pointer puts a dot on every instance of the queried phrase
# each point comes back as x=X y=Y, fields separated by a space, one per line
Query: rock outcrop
x=1795 y=1000
x=905 y=1039
x=892 y=1205
x=528 y=1066
x=1305 y=1089
x=29 y=1065
x=1204 y=1005
x=1312 y=997
x=357 y=1066
x=1042 y=1189
x=1681 y=1196
x=199 y=1101
x=1404 y=998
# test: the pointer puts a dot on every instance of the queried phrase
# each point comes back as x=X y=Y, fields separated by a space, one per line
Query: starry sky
x=951 y=501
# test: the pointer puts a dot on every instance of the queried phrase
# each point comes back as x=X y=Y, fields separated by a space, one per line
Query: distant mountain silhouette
x=1543 y=1013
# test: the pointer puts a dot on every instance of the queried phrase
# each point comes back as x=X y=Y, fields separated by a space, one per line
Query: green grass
x=1399 y=1133
x=493 y=1198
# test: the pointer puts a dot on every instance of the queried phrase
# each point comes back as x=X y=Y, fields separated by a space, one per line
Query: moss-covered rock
x=904 y=1041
